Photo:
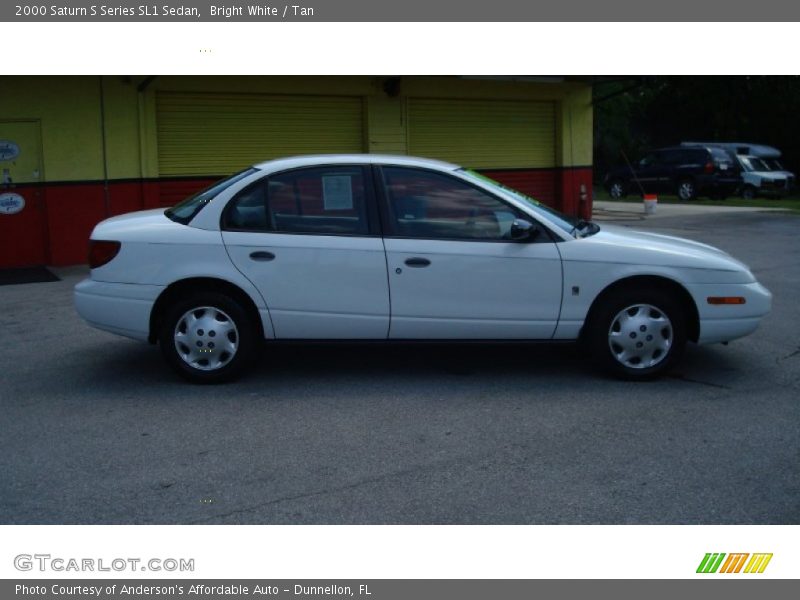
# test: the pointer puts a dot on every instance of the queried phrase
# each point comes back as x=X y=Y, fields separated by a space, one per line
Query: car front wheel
x=637 y=333
x=687 y=190
x=208 y=338
x=617 y=190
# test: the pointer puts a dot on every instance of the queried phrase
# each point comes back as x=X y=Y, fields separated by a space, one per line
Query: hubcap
x=686 y=191
x=206 y=338
x=616 y=190
x=640 y=336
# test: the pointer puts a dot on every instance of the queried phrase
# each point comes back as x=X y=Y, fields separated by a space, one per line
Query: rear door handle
x=417 y=262
x=262 y=255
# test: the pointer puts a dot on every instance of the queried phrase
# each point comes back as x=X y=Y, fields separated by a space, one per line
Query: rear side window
x=674 y=157
x=694 y=156
x=319 y=200
x=185 y=211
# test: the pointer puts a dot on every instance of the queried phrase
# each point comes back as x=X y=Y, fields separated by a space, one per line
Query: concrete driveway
x=605 y=210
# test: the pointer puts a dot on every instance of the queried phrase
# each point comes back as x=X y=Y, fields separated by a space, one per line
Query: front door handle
x=417 y=262
x=262 y=255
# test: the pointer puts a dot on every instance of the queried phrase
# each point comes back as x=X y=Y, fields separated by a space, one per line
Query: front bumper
x=120 y=308
x=723 y=323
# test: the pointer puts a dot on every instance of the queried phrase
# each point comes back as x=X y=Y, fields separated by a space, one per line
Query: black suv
x=688 y=172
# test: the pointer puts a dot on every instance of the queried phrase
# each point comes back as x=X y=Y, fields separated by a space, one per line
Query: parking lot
x=97 y=429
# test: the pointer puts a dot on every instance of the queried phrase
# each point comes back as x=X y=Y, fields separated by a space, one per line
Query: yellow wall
x=72 y=130
x=69 y=111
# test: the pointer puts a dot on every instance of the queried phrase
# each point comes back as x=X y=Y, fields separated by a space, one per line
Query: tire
x=637 y=333
x=208 y=337
x=749 y=192
x=686 y=190
x=617 y=189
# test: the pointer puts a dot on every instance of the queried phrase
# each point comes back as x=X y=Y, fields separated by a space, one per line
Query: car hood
x=775 y=175
x=622 y=245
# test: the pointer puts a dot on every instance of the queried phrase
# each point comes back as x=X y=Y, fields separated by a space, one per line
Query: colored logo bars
x=734 y=562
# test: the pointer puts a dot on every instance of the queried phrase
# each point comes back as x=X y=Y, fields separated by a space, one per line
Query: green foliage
x=649 y=112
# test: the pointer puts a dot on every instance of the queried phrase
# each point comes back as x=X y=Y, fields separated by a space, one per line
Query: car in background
x=395 y=248
x=688 y=172
x=762 y=172
x=759 y=180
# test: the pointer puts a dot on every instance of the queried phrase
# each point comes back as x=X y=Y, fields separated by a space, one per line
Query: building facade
x=76 y=150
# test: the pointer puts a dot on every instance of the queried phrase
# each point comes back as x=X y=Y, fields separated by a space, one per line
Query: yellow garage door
x=216 y=134
x=483 y=134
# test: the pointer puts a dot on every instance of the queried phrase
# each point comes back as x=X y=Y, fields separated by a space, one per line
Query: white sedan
x=371 y=247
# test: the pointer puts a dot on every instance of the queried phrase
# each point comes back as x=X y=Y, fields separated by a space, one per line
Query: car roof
x=292 y=162
x=682 y=147
x=757 y=150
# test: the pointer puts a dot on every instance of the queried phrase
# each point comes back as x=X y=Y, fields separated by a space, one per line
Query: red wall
x=68 y=212
x=559 y=188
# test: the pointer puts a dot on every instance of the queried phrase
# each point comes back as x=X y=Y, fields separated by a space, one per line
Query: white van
x=762 y=172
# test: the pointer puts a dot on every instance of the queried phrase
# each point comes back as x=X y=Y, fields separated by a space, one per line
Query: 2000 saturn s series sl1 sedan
x=370 y=247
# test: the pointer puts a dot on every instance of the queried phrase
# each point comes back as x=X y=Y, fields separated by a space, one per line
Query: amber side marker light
x=726 y=300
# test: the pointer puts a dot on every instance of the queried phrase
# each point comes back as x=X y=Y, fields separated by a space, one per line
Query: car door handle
x=417 y=262
x=262 y=255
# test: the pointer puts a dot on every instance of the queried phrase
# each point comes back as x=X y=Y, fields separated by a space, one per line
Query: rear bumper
x=120 y=308
x=719 y=185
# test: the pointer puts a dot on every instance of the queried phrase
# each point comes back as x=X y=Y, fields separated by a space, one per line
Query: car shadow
x=127 y=361
x=129 y=365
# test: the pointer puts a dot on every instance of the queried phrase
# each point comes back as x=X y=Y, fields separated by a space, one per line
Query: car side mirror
x=522 y=230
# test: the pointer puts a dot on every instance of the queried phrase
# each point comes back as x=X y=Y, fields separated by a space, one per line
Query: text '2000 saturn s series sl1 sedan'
x=370 y=247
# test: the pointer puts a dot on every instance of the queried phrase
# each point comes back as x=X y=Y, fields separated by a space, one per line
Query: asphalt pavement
x=96 y=429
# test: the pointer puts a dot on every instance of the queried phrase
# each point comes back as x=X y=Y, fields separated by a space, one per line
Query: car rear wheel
x=617 y=189
x=749 y=192
x=687 y=190
x=637 y=333
x=208 y=338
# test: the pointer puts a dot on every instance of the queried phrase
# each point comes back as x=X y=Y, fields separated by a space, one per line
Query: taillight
x=709 y=168
x=102 y=252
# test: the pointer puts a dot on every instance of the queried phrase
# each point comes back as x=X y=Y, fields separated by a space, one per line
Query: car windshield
x=186 y=210
x=774 y=164
x=751 y=163
x=565 y=222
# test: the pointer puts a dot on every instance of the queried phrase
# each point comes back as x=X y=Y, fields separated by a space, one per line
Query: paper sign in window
x=337 y=192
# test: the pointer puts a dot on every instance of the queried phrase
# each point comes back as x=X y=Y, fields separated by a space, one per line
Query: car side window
x=426 y=204
x=648 y=160
x=319 y=200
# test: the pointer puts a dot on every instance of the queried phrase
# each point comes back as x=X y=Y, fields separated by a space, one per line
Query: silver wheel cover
x=640 y=336
x=206 y=338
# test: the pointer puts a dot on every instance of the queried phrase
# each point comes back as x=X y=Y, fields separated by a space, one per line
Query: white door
x=454 y=272
x=307 y=240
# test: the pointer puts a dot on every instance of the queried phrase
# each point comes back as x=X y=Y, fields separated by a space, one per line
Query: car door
x=308 y=240
x=454 y=272
x=653 y=173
